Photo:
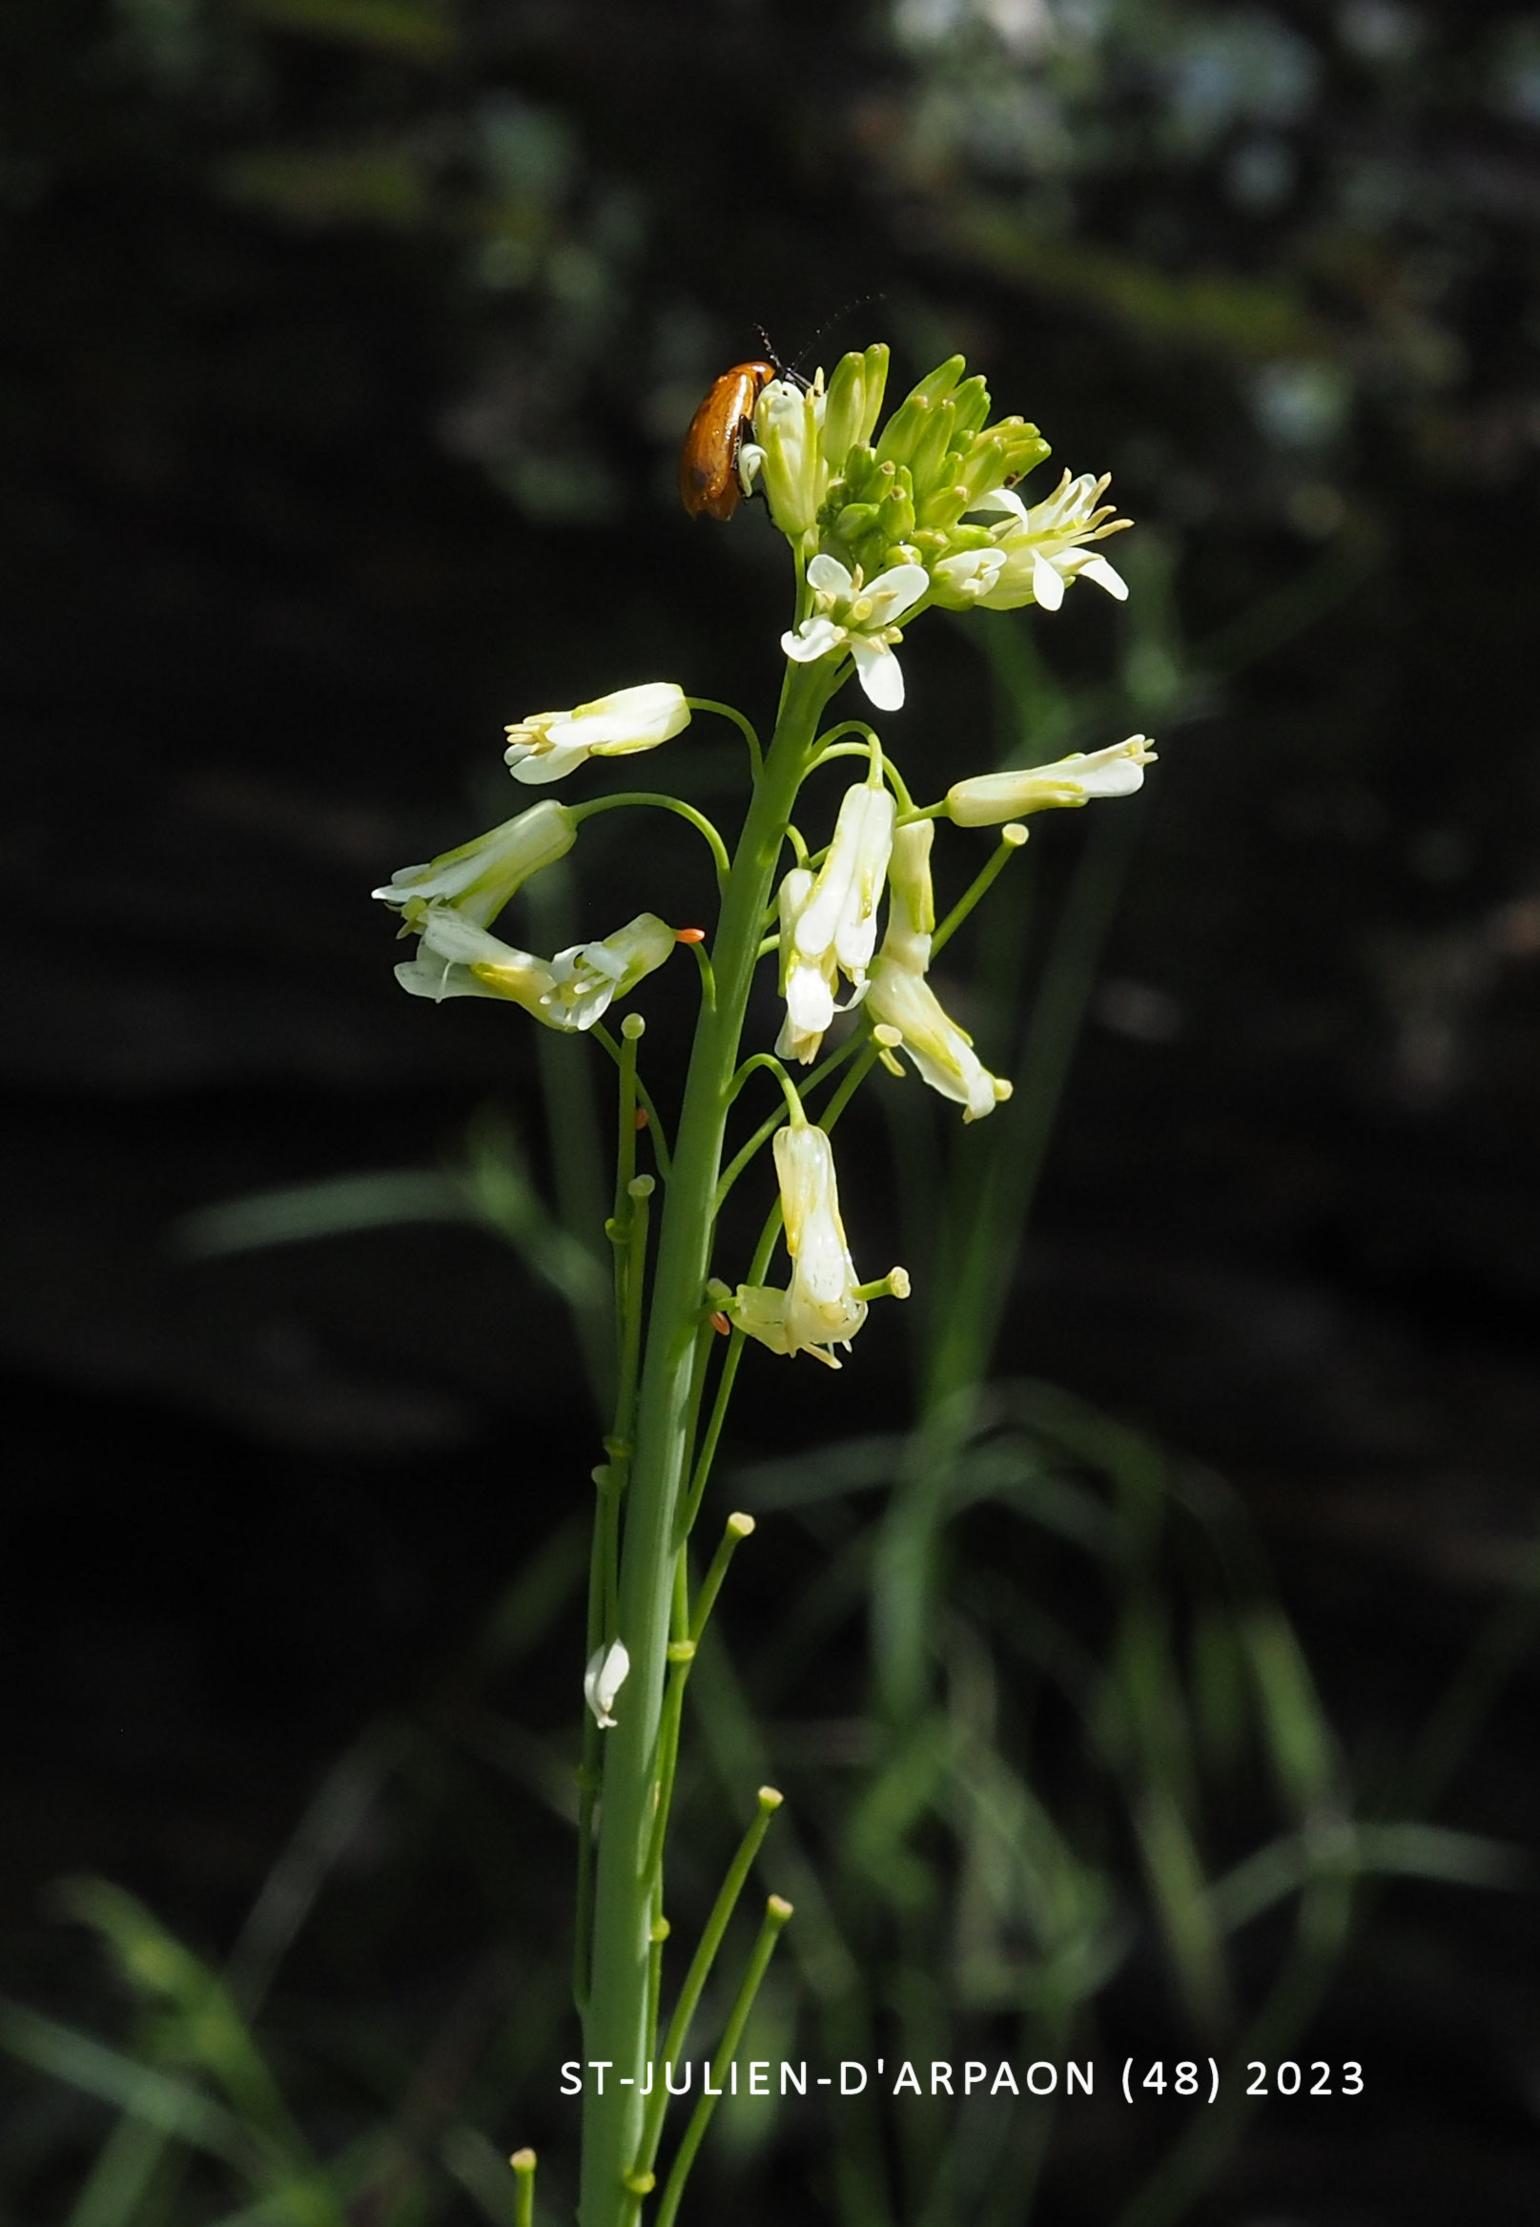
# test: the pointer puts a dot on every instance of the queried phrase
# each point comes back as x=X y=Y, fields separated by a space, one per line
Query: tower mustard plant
x=884 y=521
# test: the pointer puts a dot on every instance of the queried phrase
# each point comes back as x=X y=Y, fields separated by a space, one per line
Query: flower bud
x=854 y=404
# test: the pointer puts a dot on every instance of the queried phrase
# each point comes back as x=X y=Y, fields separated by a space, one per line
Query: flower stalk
x=883 y=523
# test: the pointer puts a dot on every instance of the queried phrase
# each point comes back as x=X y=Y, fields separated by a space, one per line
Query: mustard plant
x=884 y=520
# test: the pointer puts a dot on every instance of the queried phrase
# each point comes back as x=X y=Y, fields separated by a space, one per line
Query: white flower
x=1046 y=546
x=967 y=576
x=807 y=985
x=588 y=977
x=829 y=919
x=456 y=958
x=989 y=798
x=848 y=615
x=479 y=878
x=824 y=1305
x=549 y=744
x=906 y=1009
x=602 y=1680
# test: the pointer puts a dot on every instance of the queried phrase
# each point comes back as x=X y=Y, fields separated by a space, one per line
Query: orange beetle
x=708 y=462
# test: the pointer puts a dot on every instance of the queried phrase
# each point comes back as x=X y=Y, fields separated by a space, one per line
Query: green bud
x=939 y=382
x=876 y=387
x=845 y=410
x=984 y=466
x=933 y=446
x=854 y=403
x=895 y=513
x=972 y=405
x=944 y=506
x=854 y=521
x=1025 y=447
x=901 y=434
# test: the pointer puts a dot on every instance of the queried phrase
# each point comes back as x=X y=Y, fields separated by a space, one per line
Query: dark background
x=346 y=349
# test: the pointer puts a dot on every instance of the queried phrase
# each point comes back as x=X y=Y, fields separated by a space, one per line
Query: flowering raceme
x=885 y=518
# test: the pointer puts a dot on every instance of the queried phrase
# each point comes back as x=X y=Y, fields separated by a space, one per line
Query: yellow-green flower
x=900 y=1001
x=987 y=799
x=824 y=1305
x=548 y=745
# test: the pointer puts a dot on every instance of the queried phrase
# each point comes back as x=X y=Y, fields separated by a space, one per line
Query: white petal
x=1047 y=587
x=878 y=670
x=602 y=1680
x=1001 y=498
x=539 y=766
x=1098 y=569
x=813 y=639
x=971 y=571
x=829 y=576
x=893 y=592
x=809 y=1000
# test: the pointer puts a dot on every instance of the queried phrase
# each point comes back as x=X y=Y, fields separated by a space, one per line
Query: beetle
x=709 y=486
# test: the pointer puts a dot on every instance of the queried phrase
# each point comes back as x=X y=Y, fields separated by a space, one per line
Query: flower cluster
x=885 y=519
x=926 y=511
x=450 y=903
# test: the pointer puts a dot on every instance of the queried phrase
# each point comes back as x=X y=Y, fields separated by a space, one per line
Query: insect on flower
x=709 y=486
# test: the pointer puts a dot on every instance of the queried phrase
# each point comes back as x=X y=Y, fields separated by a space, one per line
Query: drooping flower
x=1049 y=544
x=807 y=984
x=987 y=799
x=829 y=919
x=848 y=614
x=481 y=876
x=823 y=1305
x=548 y=745
x=608 y=1668
x=908 y=1014
x=588 y=977
x=456 y=958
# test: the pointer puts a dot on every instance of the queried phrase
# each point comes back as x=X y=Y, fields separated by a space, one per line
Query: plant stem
x=615 y=2027
x=777 y=1912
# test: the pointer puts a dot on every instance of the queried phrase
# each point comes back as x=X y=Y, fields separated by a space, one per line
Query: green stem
x=523 y=2163
x=628 y=1235
x=655 y=1128
x=699 y=1973
x=627 y=798
x=744 y=725
x=1010 y=842
x=776 y=1914
x=615 y=2027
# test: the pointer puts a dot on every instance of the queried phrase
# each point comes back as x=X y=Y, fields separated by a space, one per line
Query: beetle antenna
x=860 y=302
x=784 y=369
